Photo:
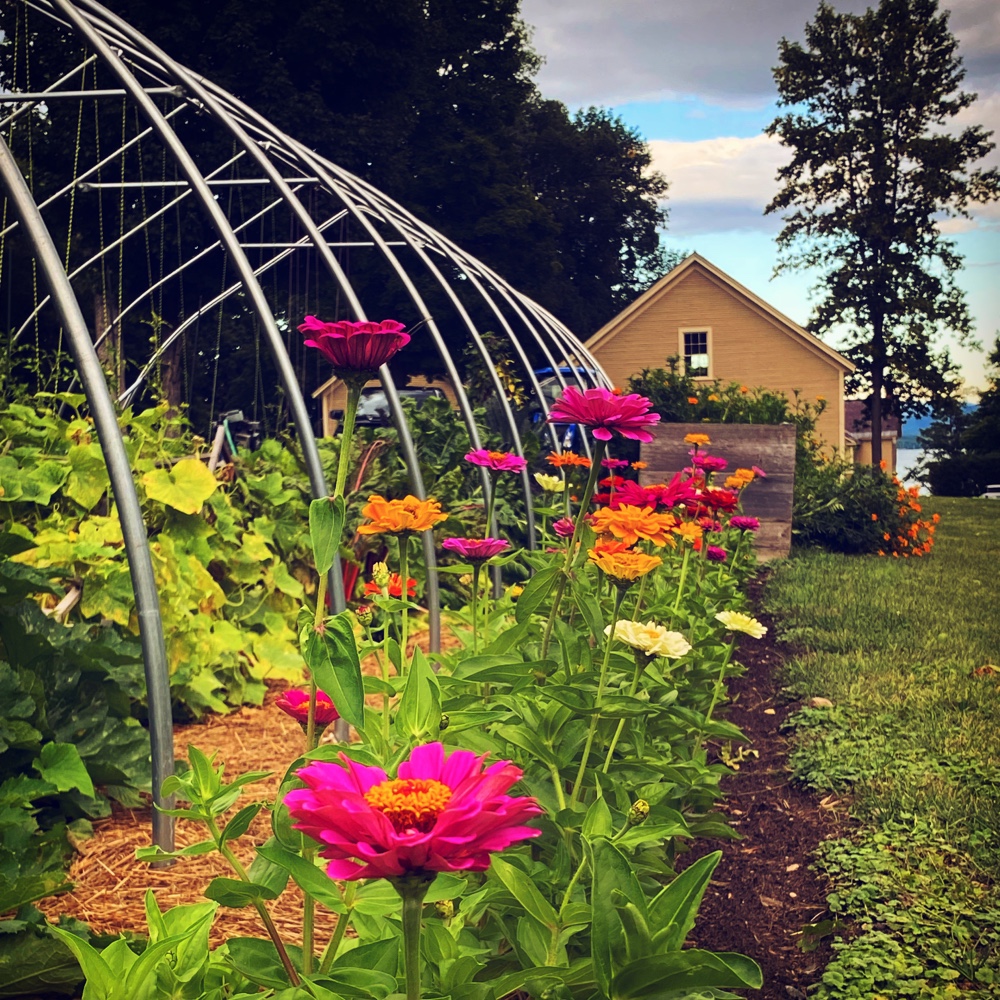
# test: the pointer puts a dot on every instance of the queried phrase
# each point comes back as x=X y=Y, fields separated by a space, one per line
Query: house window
x=695 y=350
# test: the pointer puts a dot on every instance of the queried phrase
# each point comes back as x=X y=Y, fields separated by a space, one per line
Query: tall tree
x=875 y=168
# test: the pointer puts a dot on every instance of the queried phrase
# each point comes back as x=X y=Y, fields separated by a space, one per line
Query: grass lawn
x=908 y=651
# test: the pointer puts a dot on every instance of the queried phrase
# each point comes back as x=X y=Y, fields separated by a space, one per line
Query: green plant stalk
x=717 y=688
x=474 y=606
x=596 y=718
x=567 y=895
x=494 y=477
x=641 y=662
x=309 y=851
x=680 y=586
x=588 y=492
x=638 y=600
x=412 y=891
x=736 y=554
x=347 y=438
x=383 y=666
x=241 y=872
x=404 y=593
x=320 y=603
x=343 y=922
x=557 y=785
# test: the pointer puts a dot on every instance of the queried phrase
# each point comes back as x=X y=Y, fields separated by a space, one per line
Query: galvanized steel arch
x=140 y=67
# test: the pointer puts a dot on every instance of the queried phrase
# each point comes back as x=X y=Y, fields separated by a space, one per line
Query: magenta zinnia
x=476 y=549
x=355 y=348
x=496 y=461
x=440 y=814
x=296 y=704
x=564 y=527
x=604 y=412
x=744 y=523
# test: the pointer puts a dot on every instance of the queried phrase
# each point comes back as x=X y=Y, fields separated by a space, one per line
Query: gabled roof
x=856 y=420
x=695 y=262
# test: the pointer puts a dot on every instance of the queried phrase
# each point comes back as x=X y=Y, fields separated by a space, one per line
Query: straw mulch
x=110 y=884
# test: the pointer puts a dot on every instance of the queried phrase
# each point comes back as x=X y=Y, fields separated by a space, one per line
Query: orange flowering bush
x=909 y=533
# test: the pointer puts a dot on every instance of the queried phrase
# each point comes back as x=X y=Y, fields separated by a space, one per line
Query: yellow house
x=721 y=330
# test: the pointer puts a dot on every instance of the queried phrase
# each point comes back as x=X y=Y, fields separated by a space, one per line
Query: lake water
x=906 y=460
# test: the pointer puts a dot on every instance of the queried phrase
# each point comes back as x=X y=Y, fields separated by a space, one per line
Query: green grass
x=914 y=740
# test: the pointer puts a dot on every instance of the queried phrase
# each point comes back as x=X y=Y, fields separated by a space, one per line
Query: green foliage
x=962 y=450
x=227 y=558
x=872 y=172
x=902 y=651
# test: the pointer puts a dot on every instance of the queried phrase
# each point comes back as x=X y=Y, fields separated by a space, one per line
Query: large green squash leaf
x=185 y=487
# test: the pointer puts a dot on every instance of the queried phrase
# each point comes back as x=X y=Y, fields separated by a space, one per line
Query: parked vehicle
x=992 y=492
x=373 y=407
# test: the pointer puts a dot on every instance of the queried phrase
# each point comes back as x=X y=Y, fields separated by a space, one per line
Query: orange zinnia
x=397 y=516
x=693 y=400
x=561 y=458
x=689 y=531
x=630 y=523
x=698 y=440
x=621 y=564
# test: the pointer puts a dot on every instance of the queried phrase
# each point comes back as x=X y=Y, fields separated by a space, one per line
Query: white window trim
x=707 y=330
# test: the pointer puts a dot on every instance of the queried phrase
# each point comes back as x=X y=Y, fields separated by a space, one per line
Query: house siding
x=747 y=346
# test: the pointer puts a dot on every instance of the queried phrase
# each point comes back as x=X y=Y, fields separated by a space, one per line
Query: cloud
x=598 y=52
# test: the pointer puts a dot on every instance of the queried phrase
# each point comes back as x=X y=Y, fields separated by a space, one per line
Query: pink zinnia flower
x=715 y=554
x=296 y=704
x=496 y=461
x=710 y=463
x=744 y=523
x=614 y=463
x=631 y=493
x=355 y=348
x=475 y=549
x=604 y=412
x=563 y=527
x=440 y=814
x=758 y=471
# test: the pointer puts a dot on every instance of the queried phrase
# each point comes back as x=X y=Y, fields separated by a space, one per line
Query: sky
x=695 y=80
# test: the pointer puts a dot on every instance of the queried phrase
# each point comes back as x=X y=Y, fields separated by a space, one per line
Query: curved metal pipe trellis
x=415 y=256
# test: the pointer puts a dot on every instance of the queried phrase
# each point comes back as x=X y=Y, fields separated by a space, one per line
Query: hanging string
x=121 y=229
x=105 y=310
x=186 y=369
x=31 y=188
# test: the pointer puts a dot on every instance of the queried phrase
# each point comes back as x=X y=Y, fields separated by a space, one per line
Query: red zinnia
x=355 y=348
x=296 y=704
x=476 y=549
x=440 y=814
x=604 y=412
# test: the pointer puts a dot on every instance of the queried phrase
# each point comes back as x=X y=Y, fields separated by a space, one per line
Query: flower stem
x=404 y=593
x=557 y=784
x=347 y=438
x=572 y=885
x=640 y=665
x=494 y=478
x=272 y=931
x=596 y=717
x=412 y=890
x=588 y=492
x=476 y=567
x=680 y=585
x=638 y=600
x=717 y=689
x=343 y=922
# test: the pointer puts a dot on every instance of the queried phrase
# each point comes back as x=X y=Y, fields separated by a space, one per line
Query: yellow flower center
x=410 y=803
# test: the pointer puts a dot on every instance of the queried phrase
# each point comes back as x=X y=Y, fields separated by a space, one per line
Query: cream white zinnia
x=736 y=621
x=553 y=484
x=651 y=639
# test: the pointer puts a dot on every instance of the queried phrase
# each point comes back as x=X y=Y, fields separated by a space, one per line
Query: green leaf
x=326 y=522
x=597 y=822
x=685 y=972
x=258 y=960
x=36 y=965
x=88 y=478
x=27 y=888
x=590 y=608
x=672 y=913
x=535 y=593
x=185 y=487
x=520 y=886
x=240 y=823
x=310 y=879
x=419 y=712
x=236 y=893
x=101 y=982
x=332 y=657
x=60 y=764
x=612 y=875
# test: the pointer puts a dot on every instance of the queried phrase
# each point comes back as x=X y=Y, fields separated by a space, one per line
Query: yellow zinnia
x=621 y=564
x=698 y=440
x=552 y=484
x=688 y=530
x=630 y=523
x=396 y=516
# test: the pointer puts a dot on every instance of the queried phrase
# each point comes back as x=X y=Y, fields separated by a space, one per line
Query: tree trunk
x=878 y=369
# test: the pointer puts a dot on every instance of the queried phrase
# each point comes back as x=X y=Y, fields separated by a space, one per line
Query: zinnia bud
x=445 y=908
x=365 y=615
x=639 y=812
x=380 y=575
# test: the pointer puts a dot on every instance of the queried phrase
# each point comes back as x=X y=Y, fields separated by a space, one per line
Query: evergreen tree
x=872 y=174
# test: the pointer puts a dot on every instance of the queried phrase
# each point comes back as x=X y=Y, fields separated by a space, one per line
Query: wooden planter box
x=769 y=446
